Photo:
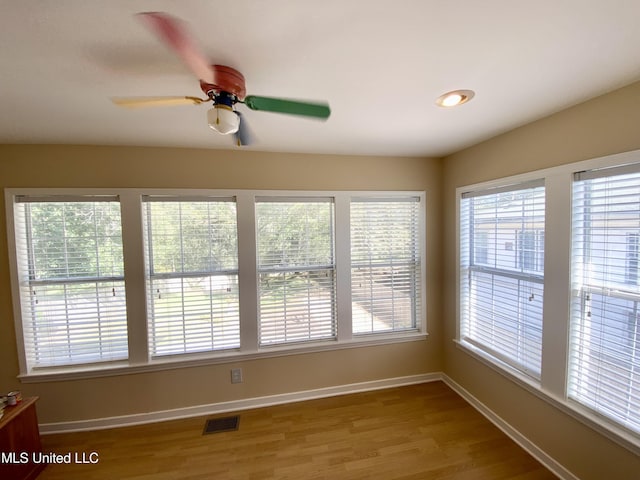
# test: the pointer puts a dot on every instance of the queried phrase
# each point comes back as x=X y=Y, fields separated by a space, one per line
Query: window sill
x=600 y=424
x=499 y=365
x=197 y=360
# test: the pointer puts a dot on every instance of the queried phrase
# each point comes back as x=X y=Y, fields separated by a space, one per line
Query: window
x=385 y=264
x=296 y=265
x=192 y=274
x=481 y=248
x=530 y=255
x=587 y=214
x=501 y=250
x=106 y=281
x=604 y=366
x=71 y=280
x=633 y=241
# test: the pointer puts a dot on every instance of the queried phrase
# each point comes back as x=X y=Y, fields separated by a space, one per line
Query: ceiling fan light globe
x=223 y=120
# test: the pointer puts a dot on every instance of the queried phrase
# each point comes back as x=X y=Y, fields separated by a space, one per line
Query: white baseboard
x=257 y=402
x=511 y=432
x=234 y=405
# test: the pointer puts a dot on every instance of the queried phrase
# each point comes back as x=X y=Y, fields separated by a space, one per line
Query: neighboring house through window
x=502 y=286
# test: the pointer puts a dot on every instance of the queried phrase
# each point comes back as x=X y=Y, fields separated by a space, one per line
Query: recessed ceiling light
x=454 y=98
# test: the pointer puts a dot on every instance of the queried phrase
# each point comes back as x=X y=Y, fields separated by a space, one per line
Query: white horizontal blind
x=296 y=265
x=502 y=273
x=604 y=356
x=70 y=269
x=385 y=264
x=192 y=275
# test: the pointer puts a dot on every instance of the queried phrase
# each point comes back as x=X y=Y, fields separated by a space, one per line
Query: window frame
x=514 y=272
x=414 y=264
x=134 y=272
x=553 y=384
x=152 y=276
x=264 y=268
x=69 y=281
x=601 y=214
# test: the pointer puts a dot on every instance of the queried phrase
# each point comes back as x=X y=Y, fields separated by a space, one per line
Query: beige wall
x=603 y=126
x=82 y=166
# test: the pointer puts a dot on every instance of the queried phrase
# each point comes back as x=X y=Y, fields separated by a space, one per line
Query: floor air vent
x=225 y=424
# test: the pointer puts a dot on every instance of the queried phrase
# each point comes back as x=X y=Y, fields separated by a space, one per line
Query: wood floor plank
x=414 y=432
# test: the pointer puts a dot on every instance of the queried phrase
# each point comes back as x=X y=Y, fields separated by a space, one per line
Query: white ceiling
x=380 y=64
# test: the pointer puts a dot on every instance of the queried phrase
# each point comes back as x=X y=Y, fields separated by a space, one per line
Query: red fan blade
x=173 y=32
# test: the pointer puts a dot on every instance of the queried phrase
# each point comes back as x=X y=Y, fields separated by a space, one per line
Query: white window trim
x=134 y=268
x=557 y=290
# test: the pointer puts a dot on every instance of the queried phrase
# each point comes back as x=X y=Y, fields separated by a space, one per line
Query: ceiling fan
x=224 y=86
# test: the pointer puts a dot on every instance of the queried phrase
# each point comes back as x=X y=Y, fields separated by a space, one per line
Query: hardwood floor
x=417 y=432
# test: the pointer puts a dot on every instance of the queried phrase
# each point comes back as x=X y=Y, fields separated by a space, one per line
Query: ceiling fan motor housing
x=227 y=80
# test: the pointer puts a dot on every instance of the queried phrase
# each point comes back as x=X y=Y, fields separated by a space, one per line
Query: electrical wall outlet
x=236 y=375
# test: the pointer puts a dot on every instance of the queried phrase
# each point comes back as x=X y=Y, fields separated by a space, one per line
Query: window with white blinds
x=192 y=274
x=71 y=280
x=210 y=275
x=296 y=268
x=385 y=264
x=502 y=275
x=604 y=351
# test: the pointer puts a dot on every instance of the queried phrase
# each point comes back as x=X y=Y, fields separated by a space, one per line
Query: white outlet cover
x=236 y=375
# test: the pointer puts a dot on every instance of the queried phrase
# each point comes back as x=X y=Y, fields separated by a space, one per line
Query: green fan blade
x=291 y=107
